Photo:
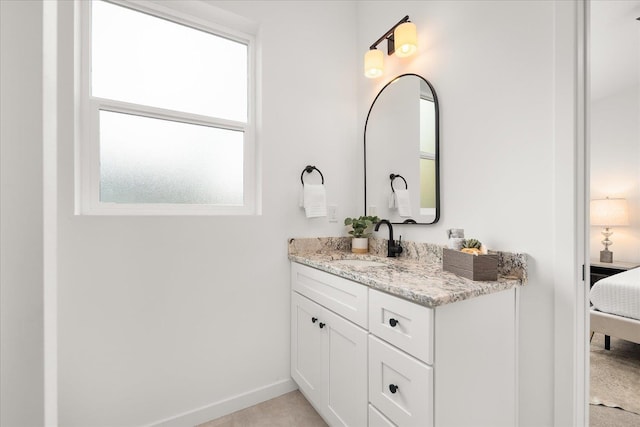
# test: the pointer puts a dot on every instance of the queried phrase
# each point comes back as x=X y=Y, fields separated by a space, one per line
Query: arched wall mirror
x=401 y=153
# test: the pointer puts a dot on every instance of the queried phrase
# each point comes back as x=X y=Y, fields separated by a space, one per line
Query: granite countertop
x=417 y=276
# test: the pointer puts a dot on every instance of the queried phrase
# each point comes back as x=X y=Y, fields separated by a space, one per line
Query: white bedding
x=618 y=294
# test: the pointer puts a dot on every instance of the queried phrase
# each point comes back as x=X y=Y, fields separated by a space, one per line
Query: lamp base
x=606 y=256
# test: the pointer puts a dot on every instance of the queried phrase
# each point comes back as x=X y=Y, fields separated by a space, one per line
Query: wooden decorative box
x=474 y=267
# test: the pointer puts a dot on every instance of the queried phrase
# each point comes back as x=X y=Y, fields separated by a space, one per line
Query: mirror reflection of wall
x=401 y=138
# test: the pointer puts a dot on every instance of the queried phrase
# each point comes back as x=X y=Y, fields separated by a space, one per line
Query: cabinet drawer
x=342 y=296
x=376 y=419
x=406 y=325
x=400 y=386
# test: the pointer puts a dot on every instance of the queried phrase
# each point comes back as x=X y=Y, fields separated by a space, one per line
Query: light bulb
x=405 y=39
x=373 y=63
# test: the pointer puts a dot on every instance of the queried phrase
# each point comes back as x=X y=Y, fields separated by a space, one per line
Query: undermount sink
x=359 y=263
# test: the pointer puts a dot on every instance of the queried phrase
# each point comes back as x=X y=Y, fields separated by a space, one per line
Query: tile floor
x=293 y=410
x=288 y=410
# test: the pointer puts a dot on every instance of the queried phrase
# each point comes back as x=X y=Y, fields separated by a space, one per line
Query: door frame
x=571 y=194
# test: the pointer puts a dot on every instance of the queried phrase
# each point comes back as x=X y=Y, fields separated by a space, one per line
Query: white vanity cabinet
x=381 y=360
x=329 y=352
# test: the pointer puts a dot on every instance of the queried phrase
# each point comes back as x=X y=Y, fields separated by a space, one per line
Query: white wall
x=21 y=215
x=615 y=169
x=164 y=315
x=492 y=66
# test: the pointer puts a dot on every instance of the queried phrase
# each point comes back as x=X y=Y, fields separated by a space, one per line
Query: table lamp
x=608 y=213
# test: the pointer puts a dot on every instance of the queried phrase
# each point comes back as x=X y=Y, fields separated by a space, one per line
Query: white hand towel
x=403 y=202
x=315 y=200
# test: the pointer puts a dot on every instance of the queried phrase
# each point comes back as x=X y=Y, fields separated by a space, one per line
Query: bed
x=615 y=309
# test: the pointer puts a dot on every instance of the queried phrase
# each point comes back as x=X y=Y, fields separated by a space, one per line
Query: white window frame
x=87 y=146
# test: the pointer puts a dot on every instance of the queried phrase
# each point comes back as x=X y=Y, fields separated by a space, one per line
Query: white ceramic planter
x=360 y=245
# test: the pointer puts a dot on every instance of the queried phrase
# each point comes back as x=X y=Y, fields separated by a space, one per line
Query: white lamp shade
x=405 y=39
x=373 y=63
x=609 y=212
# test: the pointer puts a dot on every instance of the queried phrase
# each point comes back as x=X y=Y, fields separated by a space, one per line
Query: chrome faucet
x=394 y=248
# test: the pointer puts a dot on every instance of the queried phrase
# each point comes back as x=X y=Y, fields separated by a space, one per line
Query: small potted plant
x=360 y=230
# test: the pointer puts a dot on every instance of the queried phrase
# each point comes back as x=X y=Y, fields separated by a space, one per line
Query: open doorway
x=614 y=238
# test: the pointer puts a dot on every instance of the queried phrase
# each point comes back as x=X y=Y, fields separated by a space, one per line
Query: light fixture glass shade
x=405 y=39
x=373 y=63
x=609 y=212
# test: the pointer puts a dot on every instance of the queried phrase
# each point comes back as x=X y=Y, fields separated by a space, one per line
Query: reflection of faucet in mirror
x=393 y=248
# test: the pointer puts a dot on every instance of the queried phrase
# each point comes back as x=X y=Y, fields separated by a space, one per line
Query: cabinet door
x=346 y=371
x=306 y=348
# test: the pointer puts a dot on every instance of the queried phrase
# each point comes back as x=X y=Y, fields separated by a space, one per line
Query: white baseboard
x=227 y=406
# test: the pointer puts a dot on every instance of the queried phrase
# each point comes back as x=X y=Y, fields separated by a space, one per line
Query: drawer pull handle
x=393 y=322
x=314 y=319
x=321 y=325
x=393 y=388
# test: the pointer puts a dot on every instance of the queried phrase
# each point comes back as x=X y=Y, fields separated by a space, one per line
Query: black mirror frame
x=437 y=143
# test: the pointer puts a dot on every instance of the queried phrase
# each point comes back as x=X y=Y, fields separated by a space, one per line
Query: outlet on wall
x=332 y=213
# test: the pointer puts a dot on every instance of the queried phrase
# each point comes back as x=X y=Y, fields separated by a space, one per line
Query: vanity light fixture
x=373 y=63
x=402 y=39
x=607 y=213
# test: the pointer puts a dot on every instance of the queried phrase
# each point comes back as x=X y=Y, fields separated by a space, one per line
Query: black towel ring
x=394 y=176
x=309 y=169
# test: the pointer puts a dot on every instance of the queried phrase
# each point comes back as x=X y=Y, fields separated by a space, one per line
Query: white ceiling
x=615 y=46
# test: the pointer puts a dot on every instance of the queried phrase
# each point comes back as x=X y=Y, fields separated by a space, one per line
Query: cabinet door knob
x=393 y=388
x=314 y=319
x=321 y=325
x=393 y=322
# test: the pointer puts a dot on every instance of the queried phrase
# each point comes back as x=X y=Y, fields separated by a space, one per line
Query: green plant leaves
x=360 y=225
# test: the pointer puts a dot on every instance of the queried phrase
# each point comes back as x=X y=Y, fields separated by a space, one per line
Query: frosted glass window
x=166 y=108
x=146 y=160
x=142 y=59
